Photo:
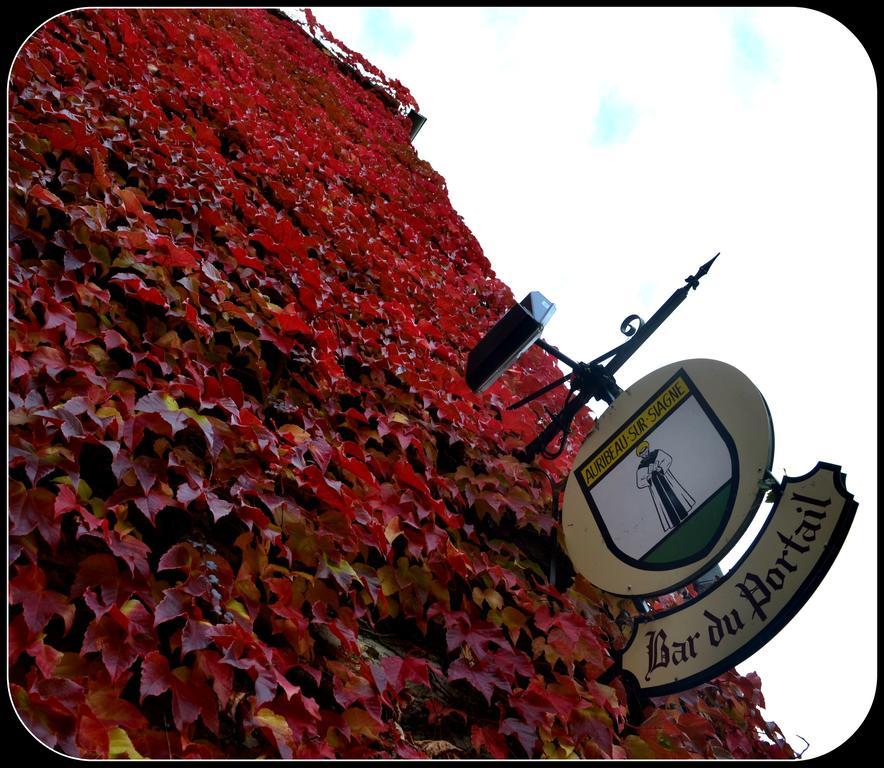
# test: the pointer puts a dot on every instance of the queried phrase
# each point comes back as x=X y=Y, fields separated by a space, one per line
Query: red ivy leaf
x=154 y=503
x=108 y=706
x=492 y=740
x=50 y=721
x=195 y=636
x=289 y=320
x=526 y=734
x=182 y=556
x=155 y=676
x=210 y=665
x=176 y=602
x=221 y=508
x=108 y=637
x=31 y=508
x=135 y=285
x=403 y=471
x=192 y=698
x=393 y=672
x=482 y=675
x=477 y=633
x=39 y=604
x=132 y=551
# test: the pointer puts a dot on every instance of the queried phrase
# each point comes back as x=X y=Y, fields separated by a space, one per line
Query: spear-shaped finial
x=625 y=351
x=694 y=280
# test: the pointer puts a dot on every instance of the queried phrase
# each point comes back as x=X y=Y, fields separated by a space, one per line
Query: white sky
x=601 y=155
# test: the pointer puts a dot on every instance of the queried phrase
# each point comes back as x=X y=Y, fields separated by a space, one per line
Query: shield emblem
x=661 y=488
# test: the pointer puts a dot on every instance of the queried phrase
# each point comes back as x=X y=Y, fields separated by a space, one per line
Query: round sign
x=669 y=479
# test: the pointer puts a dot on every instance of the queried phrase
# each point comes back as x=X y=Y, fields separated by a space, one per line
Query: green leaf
x=120 y=745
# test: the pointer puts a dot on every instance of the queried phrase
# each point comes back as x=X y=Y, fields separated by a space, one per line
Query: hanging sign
x=688 y=645
x=669 y=479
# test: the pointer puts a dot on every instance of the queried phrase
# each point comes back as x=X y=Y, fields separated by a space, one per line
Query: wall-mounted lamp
x=417 y=122
x=498 y=349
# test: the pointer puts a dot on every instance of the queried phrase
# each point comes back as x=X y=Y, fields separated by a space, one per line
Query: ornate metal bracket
x=594 y=380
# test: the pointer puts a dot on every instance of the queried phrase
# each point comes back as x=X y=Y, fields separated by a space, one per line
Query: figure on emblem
x=672 y=502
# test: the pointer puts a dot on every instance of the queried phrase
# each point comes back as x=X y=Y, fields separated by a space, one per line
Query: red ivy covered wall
x=254 y=509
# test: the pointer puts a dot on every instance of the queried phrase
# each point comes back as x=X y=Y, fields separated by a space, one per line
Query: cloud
x=383 y=31
x=750 y=48
x=615 y=120
x=754 y=57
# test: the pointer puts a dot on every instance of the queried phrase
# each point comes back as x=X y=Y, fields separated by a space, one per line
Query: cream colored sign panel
x=669 y=479
x=693 y=643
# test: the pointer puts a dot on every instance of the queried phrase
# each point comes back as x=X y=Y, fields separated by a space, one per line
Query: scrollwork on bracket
x=627 y=328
